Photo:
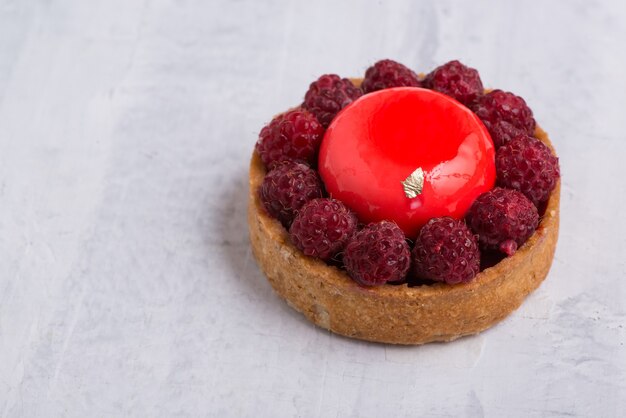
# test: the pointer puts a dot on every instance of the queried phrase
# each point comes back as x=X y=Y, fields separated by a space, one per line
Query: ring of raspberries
x=446 y=249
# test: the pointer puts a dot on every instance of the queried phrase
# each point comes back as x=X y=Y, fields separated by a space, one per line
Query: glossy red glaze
x=380 y=139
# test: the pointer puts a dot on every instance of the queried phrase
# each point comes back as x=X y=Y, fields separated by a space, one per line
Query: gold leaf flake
x=414 y=183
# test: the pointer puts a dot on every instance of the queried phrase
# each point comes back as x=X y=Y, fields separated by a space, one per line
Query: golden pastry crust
x=398 y=314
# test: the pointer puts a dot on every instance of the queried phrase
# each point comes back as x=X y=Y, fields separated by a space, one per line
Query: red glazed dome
x=378 y=141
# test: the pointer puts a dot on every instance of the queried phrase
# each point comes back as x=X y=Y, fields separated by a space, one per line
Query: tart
x=413 y=311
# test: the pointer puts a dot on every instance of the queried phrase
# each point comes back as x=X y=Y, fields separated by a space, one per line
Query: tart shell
x=398 y=314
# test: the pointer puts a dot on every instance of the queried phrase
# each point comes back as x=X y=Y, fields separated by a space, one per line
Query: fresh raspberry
x=386 y=74
x=377 y=254
x=457 y=81
x=446 y=251
x=499 y=105
x=527 y=164
x=503 y=219
x=287 y=188
x=294 y=135
x=322 y=228
x=328 y=95
x=502 y=132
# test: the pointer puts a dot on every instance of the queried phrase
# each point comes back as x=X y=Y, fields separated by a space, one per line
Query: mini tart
x=398 y=314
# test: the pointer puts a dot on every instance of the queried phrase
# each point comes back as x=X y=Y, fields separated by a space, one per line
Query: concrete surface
x=127 y=287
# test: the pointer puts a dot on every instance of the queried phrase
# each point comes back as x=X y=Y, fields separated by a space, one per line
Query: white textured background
x=127 y=287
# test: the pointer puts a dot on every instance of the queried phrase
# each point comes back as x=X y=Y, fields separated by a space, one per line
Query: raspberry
x=322 y=228
x=502 y=132
x=499 y=105
x=503 y=219
x=386 y=74
x=294 y=135
x=287 y=188
x=446 y=251
x=377 y=254
x=328 y=95
x=456 y=80
x=527 y=164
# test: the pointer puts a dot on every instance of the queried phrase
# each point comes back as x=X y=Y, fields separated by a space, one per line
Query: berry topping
x=294 y=135
x=527 y=164
x=503 y=131
x=322 y=228
x=499 y=105
x=370 y=158
x=377 y=254
x=328 y=95
x=387 y=73
x=503 y=219
x=446 y=251
x=457 y=81
x=287 y=188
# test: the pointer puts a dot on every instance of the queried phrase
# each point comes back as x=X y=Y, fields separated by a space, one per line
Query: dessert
x=425 y=227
